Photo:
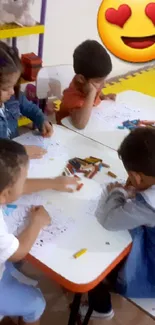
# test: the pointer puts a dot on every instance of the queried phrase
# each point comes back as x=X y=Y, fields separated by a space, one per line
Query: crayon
x=82 y=161
x=75 y=163
x=100 y=166
x=11 y=206
x=92 y=175
x=70 y=169
x=77 y=177
x=136 y=122
x=112 y=174
x=105 y=165
x=97 y=159
x=79 y=187
x=84 y=168
x=93 y=160
x=80 y=253
x=93 y=172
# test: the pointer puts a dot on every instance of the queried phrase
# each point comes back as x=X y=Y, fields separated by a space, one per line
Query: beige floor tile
x=57 y=311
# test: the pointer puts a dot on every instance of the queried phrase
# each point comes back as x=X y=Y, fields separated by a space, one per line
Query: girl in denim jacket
x=14 y=103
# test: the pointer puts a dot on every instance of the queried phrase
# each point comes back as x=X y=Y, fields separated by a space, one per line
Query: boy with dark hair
x=133 y=208
x=92 y=64
x=16 y=298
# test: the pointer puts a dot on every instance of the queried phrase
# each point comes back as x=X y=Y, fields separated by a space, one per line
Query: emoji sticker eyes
x=150 y=12
x=118 y=16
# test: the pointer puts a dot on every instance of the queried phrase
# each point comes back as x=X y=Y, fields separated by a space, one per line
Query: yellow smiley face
x=127 y=29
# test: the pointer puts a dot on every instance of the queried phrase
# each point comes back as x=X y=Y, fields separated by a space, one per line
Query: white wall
x=68 y=23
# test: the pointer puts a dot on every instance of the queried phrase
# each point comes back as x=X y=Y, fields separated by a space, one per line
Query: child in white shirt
x=17 y=299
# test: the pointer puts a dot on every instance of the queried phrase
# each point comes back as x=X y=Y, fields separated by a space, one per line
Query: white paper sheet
x=50 y=165
x=60 y=225
x=110 y=114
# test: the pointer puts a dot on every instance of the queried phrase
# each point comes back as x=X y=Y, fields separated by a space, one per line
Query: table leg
x=74 y=309
x=87 y=317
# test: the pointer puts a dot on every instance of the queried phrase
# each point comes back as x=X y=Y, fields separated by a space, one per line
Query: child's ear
x=80 y=79
x=4 y=195
x=135 y=179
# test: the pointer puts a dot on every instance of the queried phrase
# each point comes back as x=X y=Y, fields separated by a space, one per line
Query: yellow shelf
x=13 y=30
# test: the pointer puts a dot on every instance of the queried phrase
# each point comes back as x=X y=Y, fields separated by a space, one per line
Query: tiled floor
x=57 y=311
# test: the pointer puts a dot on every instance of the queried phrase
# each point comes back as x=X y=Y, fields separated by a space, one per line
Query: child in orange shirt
x=92 y=64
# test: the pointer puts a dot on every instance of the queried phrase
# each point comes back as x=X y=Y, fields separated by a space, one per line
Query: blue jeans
x=18 y=299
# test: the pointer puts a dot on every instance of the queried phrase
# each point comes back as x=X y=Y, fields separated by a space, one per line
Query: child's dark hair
x=137 y=151
x=92 y=60
x=12 y=157
x=9 y=63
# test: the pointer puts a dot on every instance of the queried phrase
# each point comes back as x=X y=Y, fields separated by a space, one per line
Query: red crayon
x=79 y=187
x=70 y=168
x=93 y=173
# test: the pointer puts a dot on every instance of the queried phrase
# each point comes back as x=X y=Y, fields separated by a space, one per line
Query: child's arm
x=121 y=213
x=3 y=129
x=61 y=183
x=35 y=114
x=81 y=116
x=39 y=218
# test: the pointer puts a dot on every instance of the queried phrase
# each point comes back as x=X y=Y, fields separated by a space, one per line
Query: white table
x=105 y=249
x=104 y=121
x=61 y=262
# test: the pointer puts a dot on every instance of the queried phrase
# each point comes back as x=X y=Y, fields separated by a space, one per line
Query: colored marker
x=80 y=253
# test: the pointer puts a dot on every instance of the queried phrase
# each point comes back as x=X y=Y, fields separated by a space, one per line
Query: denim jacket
x=14 y=108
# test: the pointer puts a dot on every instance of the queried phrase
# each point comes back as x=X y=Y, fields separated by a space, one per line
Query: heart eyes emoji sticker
x=118 y=17
x=150 y=12
x=127 y=28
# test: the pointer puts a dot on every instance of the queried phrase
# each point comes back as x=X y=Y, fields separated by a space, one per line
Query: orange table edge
x=74 y=287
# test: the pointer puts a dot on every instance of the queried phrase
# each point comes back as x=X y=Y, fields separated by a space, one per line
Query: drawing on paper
x=60 y=224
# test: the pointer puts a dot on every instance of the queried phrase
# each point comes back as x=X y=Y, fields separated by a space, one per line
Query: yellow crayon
x=81 y=252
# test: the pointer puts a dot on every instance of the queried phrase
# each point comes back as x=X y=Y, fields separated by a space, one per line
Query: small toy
x=16 y=11
x=31 y=66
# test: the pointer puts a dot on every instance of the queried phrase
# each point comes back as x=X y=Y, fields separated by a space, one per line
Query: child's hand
x=65 y=184
x=128 y=183
x=47 y=130
x=112 y=186
x=131 y=191
x=35 y=152
x=89 y=88
x=40 y=216
x=108 y=97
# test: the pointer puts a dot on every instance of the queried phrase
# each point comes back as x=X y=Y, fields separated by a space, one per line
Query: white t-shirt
x=8 y=244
